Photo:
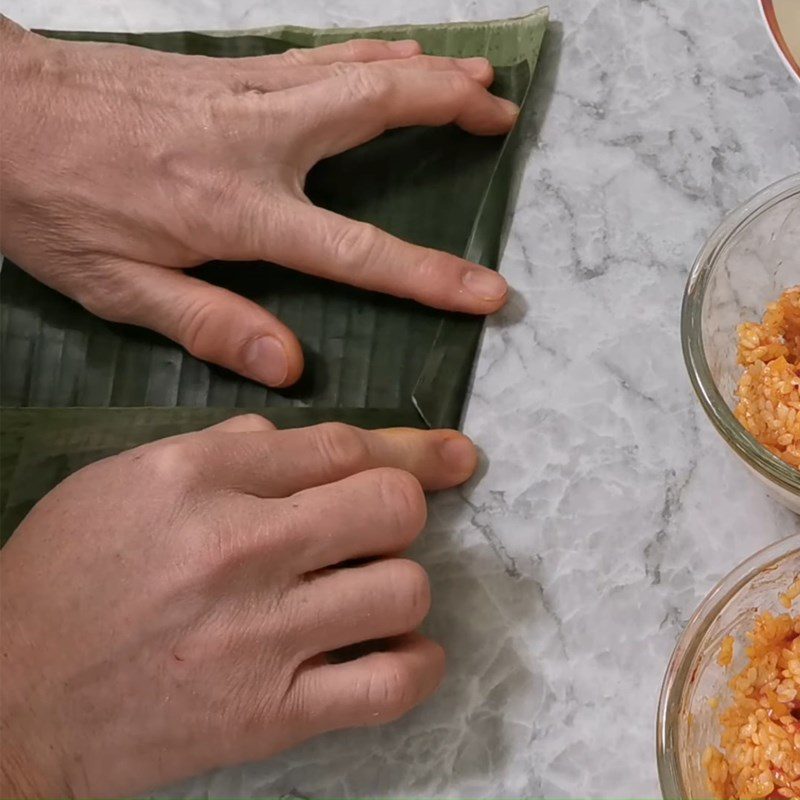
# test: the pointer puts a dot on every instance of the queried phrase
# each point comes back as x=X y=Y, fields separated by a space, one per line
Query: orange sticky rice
x=759 y=752
x=769 y=389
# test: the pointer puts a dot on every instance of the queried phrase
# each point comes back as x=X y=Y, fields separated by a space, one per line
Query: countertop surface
x=608 y=506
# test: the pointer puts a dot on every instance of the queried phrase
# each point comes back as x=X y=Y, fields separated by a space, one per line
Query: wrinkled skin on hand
x=171 y=609
x=122 y=167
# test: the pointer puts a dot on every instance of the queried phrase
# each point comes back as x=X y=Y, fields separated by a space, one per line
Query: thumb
x=213 y=324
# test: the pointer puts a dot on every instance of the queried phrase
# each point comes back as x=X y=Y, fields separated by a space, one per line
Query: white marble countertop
x=608 y=506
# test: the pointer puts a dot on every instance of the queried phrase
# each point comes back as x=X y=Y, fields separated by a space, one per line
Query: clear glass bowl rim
x=669 y=704
x=755 y=455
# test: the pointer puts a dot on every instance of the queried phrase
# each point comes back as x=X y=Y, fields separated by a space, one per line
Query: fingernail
x=265 y=360
x=477 y=67
x=511 y=110
x=485 y=283
x=405 y=47
x=459 y=454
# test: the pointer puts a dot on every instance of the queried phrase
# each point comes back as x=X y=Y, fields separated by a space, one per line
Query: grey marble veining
x=608 y=506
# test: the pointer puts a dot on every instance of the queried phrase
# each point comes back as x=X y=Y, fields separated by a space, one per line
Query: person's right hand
x=122 y=166
x=171 y=609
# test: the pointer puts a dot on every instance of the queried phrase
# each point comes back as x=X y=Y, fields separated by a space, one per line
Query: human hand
x=169 y=610
x=121 y=167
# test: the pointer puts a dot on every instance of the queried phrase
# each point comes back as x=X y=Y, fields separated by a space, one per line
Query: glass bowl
x=687 y=724
x=747 y=263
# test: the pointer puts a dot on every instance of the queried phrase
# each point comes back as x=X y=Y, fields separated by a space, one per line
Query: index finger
x=320 y=242
x=282 y=463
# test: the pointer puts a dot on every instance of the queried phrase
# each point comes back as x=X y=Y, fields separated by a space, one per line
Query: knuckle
x=460 y=84
x=193 y=324
x=391 y=692
x=432 y=268
x=412 y=589
x=338 y=443
x=402 y=497
x=173 y=463
x=370 y=84
x=354 y=243
x=294 y=56
x=340 y=68
x=253 y=422
x=223 y=545
x=353 y=48
x=362 y=49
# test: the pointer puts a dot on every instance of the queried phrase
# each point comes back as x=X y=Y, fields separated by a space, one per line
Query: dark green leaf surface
x=371 y=360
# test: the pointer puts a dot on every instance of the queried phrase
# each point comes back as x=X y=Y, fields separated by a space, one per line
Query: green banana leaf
x=41 y=447
x=75 y=388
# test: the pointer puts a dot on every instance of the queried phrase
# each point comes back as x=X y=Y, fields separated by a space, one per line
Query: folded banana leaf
x=74 y=387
